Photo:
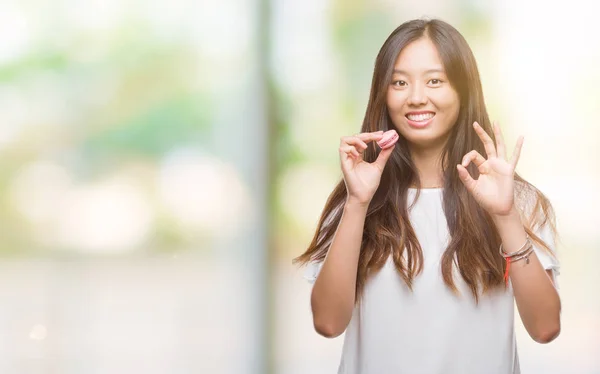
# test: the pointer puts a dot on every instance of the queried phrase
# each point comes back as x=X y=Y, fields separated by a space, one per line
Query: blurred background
x=161 y=163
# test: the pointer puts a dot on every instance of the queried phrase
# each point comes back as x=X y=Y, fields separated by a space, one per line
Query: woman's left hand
x=494 y=190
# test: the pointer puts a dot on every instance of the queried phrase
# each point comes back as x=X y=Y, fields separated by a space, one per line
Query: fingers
x=353 y=141
x=370 y=136
x=488 y=143
x=466 y=178
x=349 y=150
x=354 y=146
x=474 y=156
x=384 y=156
x=500 y=146
x=517 y=152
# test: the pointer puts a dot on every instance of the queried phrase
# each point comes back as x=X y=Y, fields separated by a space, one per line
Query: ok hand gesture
x=494 y=189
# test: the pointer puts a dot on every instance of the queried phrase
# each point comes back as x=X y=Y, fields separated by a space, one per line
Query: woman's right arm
x=333 y=294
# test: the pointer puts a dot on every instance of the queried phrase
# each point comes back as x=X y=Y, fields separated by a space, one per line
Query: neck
x=429 y=167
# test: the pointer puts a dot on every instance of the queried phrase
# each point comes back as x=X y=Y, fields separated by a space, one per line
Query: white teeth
x=420 y=117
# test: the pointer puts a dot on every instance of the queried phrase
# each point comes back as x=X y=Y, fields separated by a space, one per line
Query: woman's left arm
x=537 y=299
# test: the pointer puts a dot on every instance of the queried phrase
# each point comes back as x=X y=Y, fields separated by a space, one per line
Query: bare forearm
x=333 y=294
x=537 y=300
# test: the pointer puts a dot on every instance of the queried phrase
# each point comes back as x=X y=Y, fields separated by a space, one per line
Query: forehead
x=418 y=56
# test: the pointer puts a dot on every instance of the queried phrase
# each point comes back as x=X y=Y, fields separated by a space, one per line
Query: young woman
x=424 y=247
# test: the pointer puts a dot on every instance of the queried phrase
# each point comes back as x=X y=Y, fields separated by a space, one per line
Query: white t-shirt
x=430 y=330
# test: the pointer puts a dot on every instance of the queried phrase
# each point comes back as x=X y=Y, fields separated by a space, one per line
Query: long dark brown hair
x=474 y=243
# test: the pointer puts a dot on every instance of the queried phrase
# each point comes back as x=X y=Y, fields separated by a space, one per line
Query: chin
x=424 y=140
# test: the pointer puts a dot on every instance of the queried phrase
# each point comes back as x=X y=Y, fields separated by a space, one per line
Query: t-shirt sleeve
x=526 y=200
x=312 y=271
x=548 y=261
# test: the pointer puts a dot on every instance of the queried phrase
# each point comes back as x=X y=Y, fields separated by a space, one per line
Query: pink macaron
x=388 y=139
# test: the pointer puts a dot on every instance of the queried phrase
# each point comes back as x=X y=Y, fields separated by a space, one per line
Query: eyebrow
x=399 y=71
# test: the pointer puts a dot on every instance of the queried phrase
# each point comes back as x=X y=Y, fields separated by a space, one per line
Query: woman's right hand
x=362 y=178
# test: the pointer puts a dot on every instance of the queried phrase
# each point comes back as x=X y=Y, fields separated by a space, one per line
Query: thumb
x=384 y=156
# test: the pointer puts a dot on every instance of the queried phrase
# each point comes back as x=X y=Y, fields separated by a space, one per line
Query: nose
x=417 y=95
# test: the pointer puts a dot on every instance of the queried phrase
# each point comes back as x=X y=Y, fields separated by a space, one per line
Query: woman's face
x=421 y=102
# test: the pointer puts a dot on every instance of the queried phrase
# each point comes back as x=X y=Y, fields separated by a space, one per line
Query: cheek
x=395 y=100
x=448 y=101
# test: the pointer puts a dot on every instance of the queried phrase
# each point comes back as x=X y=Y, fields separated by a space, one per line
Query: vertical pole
x=266 y=303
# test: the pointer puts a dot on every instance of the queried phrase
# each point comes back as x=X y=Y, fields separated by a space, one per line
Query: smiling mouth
x=420 y=117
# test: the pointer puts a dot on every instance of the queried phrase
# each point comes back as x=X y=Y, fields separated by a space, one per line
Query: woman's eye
x=399 y=83
x=435 y=81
